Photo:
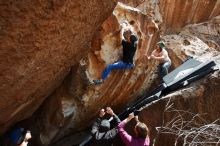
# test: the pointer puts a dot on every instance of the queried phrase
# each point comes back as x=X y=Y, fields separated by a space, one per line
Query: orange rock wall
x=178 y=13
x=55 y=48
x=40 y=41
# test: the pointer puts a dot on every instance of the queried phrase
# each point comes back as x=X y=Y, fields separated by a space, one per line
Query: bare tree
x=193 y=132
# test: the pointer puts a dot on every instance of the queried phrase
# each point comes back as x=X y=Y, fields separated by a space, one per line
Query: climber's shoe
x=185 y=83
x=98 y=82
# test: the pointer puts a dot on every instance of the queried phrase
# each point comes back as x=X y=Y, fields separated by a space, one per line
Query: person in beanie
x=101 y=131
x=160 y=53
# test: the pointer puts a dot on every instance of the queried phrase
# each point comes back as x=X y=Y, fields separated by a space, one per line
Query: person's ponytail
x=142 y=130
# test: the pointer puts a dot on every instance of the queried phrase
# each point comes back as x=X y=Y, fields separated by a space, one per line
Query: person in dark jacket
x=129 y=45
x=102 y=132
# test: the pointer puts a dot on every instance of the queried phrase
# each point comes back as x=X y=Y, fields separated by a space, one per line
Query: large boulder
x=40 y=41
x=51 y=50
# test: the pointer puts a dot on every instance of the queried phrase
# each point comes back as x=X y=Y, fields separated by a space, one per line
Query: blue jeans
x=116 y=65
x=163 y=69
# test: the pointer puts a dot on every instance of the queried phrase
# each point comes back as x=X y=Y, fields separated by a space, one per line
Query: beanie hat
x=105 y=125
x=133 y=38
x=17 y=136
x=161 y=44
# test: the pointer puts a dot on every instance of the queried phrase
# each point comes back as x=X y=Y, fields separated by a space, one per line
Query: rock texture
x=176 y=14
x=40 y=41
x=51 y=50
x=208 y=32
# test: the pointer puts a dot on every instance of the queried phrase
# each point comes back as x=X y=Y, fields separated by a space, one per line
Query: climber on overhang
x=129 y=45
x=160 y=53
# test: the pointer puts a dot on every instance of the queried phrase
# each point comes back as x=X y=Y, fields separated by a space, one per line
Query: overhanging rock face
x=40 y=41
x=55 y=48
x=81 y=100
